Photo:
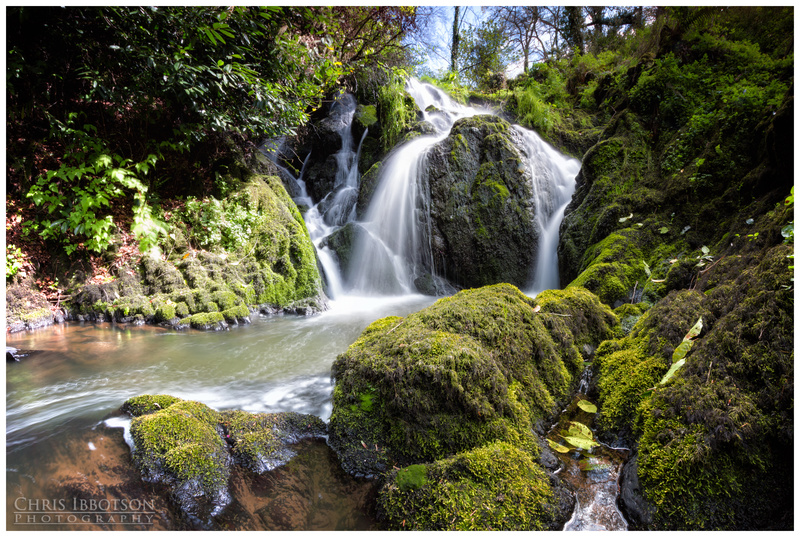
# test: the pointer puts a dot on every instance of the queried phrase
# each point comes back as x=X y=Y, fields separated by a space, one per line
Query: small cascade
x=338 y=206
x=553 y=181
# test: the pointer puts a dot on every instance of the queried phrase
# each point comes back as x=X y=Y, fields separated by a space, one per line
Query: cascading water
x=338 y=206
x=392 y=251
x=553 y=185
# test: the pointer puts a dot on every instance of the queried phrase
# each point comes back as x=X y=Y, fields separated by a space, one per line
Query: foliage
x=110 y=92
x=397 y=111
x=15 y=261
x=484 y=54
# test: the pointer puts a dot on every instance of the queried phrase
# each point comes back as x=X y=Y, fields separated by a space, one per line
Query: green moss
x=203 y=321
x=225 y=299
x=479 y=366
x=412 y=477
x=366 y=115
x=165 y=312
x=496 y=487
x=259 y=441
x=181 y=309
x=236 y=312
x=146 y=404
x=181 y=439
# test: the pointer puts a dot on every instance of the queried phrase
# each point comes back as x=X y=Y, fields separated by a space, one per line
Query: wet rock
x=481 y=206
x=191 y=449
x=636 y=508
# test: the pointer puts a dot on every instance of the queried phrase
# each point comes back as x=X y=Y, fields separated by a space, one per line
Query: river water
x=63 y=430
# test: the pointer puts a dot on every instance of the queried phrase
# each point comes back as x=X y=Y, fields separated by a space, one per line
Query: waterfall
x=392 y=248
x=392 y=252
x=338 y=206
x=553 y=182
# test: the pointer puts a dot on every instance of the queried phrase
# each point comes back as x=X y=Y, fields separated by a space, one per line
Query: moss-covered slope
x=222 y=259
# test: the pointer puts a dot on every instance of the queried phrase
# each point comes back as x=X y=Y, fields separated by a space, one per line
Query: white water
x=553 y=181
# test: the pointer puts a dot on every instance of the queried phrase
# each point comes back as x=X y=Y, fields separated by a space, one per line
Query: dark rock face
x=341 y=243
x=481 y=205
x=638 y=512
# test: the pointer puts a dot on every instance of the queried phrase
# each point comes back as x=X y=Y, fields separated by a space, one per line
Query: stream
x=68 y=464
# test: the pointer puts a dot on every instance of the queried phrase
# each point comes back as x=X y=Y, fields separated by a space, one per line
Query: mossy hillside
x=259 y=441
x=714 y=441
x=494 y=487
x=481 y=205
x=479 y=366
x=259 y=254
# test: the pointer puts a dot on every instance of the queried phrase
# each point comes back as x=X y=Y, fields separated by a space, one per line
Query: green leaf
x=672 y=370
x=581 y=442
x=558 y=447
x=681 y=350
x=103 y=161
x=586 y=406
x=695 y=330
x=579 y=429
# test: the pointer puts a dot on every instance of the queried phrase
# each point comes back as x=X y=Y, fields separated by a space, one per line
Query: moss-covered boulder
x=191 y=448
x=180 y=447
x=715 y=440
x=260 y=442
x=494 y=487
x=481 y=205
x=486 y=364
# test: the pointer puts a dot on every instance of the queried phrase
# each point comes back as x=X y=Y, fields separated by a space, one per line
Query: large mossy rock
x=248 y=251
x=716 y=440
x=190 y=448
x=483 y=365
x=481 y=205
x=495 y=487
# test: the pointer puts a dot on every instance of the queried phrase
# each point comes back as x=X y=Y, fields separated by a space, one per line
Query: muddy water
x=67 y=462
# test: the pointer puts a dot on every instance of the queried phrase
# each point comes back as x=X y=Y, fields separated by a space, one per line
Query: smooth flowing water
x=65 y=439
